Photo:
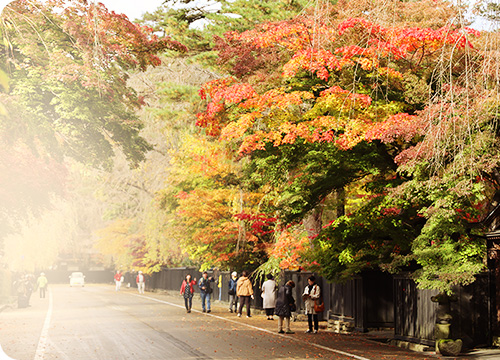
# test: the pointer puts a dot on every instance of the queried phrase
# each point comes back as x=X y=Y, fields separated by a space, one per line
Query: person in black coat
x=285 y=305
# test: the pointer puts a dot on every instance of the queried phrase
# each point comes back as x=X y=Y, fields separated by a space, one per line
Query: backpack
x=206 y=284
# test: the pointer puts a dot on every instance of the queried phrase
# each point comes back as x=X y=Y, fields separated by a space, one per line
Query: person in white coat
x=312 y=292
x=269 y=296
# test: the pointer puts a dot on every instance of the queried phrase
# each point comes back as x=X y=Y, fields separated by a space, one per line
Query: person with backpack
x=312 y=293
x=233 y=299
x=205 y=291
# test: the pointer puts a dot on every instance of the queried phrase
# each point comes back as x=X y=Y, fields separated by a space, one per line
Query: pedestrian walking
x=42 y=284
x=285 y=305
x=141 y=282
x=269 y=296
x=244 y=290
x=118 y=280
x=205 y=291
x=187 y=291
x=312 y=292
x=233 y=299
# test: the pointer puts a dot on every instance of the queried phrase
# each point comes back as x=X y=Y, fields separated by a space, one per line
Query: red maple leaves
x=236 y=112
x=400 y=126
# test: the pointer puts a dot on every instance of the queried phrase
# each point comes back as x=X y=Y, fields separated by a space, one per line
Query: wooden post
x=493 y=248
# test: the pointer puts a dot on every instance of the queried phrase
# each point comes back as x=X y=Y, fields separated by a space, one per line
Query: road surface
x=95 y=322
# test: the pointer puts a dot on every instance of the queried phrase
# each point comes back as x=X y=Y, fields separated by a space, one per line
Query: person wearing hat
x=42 y=283
x=233 y=299
x=140 y=280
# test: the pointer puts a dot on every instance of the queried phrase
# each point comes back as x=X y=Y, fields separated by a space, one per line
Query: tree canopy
x=67 y=97
x=340 y=137
x=363 y=100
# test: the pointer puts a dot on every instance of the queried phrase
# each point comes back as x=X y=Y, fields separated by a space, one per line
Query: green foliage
x=69 y=81
x=367 y=238
x=304 y=174
x=198 y=25
x=447 y=250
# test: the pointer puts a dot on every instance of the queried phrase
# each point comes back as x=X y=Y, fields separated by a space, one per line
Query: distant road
x=95 y=322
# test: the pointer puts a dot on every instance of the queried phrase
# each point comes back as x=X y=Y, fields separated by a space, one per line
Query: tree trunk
x=339 y=196
x=312 y=221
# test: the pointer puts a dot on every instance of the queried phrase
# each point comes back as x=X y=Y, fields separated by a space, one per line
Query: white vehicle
x=77 y=279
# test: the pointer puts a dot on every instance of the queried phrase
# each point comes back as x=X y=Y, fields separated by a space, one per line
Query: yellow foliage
x=115 y=240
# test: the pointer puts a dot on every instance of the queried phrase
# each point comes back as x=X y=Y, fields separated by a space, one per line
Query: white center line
x=326 y=348
x=42 y=343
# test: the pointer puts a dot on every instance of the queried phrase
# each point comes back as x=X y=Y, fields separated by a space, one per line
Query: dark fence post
x=359 y=307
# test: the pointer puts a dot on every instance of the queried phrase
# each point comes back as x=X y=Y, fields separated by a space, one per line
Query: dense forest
x=331 y=136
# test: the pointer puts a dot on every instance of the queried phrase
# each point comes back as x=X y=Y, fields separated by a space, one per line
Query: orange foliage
x=318 y=61
x=288 y=249
x=236 y=111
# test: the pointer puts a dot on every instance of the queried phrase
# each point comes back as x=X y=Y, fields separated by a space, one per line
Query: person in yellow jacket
x=244 y=290
x=42 y=283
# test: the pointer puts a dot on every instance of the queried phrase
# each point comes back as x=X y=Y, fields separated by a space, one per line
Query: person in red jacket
x=187 y=290
x=118 y=280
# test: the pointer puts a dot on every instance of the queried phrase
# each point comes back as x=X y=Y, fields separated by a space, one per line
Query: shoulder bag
x=319 y=306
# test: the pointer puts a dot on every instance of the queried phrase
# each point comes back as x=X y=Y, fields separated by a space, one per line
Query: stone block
x=496 y=341
x=448 y=347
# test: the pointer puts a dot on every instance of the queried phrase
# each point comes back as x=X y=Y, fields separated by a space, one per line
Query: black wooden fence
x=472 y=313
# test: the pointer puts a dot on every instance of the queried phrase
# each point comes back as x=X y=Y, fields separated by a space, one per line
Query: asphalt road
x=95 y=322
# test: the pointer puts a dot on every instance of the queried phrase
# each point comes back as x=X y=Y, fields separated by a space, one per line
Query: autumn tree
x=184 y=160
x=67 y=64
x=70 y=74
x=139 y=201
x=489 y=10
x=358 y=99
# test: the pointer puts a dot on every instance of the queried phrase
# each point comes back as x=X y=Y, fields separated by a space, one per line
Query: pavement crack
x=184 y=346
